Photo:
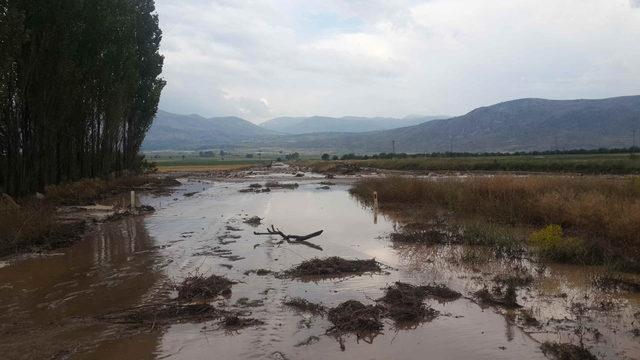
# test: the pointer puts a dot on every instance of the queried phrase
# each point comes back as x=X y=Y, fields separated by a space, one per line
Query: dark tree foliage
x=79 y=88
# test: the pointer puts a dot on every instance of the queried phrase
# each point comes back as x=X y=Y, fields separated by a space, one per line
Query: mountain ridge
x=516 y=125
x=316 y=124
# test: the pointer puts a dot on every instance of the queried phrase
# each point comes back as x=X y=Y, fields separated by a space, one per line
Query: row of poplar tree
x=79 y=88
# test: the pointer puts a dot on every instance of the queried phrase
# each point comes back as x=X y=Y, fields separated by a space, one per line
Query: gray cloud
x=390 y=58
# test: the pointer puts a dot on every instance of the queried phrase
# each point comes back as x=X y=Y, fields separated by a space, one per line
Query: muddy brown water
x=50 y=304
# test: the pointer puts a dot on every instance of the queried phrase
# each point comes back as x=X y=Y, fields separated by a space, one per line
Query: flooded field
x=53 y=305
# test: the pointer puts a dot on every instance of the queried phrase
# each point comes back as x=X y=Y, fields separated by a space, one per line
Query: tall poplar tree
x=79 y=87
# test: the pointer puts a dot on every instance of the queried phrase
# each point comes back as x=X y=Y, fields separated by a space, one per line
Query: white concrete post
x=133 y=199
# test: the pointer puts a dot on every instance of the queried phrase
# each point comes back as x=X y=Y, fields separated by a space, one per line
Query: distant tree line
x=207 y=153
x=79 y=88
x=352 y=156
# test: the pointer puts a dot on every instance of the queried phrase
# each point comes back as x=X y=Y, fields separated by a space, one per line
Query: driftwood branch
x=295 y=239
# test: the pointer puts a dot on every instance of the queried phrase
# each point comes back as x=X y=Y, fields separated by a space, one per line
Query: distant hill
x=188 y=132
x=518 y=125
x=319 y=124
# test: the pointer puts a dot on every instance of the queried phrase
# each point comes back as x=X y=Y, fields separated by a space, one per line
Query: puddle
x=48 y=305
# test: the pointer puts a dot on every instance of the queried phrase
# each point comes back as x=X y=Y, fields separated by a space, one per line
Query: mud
x=65 y=303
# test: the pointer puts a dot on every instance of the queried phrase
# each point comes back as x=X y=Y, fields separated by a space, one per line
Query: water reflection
x=58 y=296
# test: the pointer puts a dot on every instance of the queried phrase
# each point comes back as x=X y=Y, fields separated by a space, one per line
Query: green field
x=583 y=163
x=206 y=162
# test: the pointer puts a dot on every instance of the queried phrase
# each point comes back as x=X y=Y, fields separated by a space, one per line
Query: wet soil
x=58 y=304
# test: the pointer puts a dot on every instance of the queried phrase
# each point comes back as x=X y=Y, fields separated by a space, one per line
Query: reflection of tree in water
x=115 y=241
x=113 y=267
x=126 y=275
x=509 y=326
x=125 y=259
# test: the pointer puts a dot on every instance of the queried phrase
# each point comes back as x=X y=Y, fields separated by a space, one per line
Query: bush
x=551 y=244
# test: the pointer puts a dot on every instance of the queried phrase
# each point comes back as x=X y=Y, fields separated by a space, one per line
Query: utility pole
x=393 y=146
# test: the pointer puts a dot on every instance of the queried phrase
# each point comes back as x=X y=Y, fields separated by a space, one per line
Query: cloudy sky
x=262 y=59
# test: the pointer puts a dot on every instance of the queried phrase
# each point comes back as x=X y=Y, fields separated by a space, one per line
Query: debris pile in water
x=276 y=184
x=200 y=287
x=567 y=351
x=441 y=292
x=164 y=314
x=259 y=272
x=506 y=298
x=333 y=267
x=516 y=279
x=235 y=322
x=253 y=221
x=355 y=317
x=404 y=303
x=305 y=305
x=617 y=283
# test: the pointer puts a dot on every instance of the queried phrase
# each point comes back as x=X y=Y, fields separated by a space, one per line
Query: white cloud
x=260 y=59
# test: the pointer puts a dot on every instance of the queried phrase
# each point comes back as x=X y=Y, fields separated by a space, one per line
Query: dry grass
x=32 y=227
x=87 y=191
x=604 y=211
x=29 y=224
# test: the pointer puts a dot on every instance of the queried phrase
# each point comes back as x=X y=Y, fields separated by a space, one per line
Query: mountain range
x=188 y=132
x=317 y=124
x=517 y=125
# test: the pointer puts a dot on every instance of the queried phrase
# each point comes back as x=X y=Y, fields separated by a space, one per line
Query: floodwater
x=50 y=304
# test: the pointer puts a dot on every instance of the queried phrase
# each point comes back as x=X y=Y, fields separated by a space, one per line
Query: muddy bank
x=61 y=215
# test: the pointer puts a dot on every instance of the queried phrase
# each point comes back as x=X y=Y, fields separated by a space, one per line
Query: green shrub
x=551 y=244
